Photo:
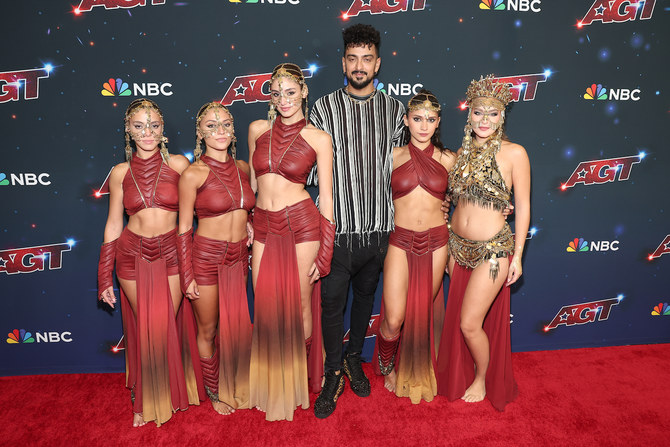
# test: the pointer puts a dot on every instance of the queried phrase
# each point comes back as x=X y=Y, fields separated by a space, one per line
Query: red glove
x=327 y=243
x=106 y=266
x=184 y=249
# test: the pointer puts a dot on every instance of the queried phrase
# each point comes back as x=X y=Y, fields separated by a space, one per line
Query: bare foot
x=390 y=381
x=223 y=408
x=138 y=420
x=475 y=392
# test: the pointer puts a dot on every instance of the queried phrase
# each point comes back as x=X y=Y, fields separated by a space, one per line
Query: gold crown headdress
x=489 y=87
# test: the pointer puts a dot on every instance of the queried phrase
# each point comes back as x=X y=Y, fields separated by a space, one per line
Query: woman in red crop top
x=292 y=249
x=417 y=256
x=475 y=358
x=154 y=318
x=214 y=264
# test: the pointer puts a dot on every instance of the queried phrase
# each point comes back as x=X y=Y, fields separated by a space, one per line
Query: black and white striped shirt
x=364 y=135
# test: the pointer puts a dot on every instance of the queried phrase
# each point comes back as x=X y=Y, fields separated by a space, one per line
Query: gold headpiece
x=288 y=70
x=147 y=105
x=199 y=134
x=489 y=87
x=416 y=104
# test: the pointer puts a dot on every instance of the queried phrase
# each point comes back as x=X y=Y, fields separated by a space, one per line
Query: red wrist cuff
x=184 y=249
x=106 y=266
x=326 y=246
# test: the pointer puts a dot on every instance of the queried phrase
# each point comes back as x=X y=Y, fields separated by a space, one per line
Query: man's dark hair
x=361 y=35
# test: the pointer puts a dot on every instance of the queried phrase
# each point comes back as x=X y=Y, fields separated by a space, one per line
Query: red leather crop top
x=420 y=170
x=150 y=183
x=226 y=189
x=292 y=157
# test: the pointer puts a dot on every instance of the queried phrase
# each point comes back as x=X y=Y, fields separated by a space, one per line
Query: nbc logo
x=398 y=89
x=661 y=309
x=496 y=5
x=20 y=336
x=597 y=91
x=115 y=87
x=24 y=179
x=512 y=5
x=579 y=245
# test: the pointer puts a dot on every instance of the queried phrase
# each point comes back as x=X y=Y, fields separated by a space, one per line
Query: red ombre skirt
x=162 y=364
x=415 y=359
x=227 y=265
x=455 y=365
x=280 y=369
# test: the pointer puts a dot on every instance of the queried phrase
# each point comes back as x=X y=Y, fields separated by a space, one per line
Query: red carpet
x=604 y=396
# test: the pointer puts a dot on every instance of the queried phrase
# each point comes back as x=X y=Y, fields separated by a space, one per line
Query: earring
x=164 y=150
x=272 y=113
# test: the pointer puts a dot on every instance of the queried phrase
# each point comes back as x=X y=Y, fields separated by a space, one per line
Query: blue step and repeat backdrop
x=591 y=108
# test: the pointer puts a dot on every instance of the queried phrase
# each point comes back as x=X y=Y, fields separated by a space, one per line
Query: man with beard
x=365 y=125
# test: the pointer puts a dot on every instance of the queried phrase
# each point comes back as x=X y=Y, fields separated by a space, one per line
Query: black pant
x=359 y=265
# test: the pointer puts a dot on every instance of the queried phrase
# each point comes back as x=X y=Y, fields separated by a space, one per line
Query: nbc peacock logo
x=115 y=87
x=596 y=91
x=379 y=85
x=495 y=5
x=661 y=309
x=577 y=245
x=20 y=336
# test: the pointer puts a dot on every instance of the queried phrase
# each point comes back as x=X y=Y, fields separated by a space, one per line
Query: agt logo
x=33 y=259
x=87 y=5
x=579 y=245
x=21 y=336
x=382 y=7
x=269 y=2
x=583 y=313
x=598 y=92
x=661 y=309
x=512 y=5
x=254 y=88
x=662 y=249
x=12 y=81
x=116 y=87
x=373 y=328
x=603 y=171
x=618 y=11
x=24 y=179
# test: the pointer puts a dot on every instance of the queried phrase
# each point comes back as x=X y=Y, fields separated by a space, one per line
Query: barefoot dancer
x=475 y=355
x=417 y=256
x=145 y=252
x=214 y=264
x=292 y=250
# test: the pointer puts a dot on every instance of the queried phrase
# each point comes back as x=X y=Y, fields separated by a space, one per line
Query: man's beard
x=358 y=85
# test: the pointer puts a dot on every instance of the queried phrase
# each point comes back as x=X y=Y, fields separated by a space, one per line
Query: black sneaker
x=331 y=391
x=357 y=379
